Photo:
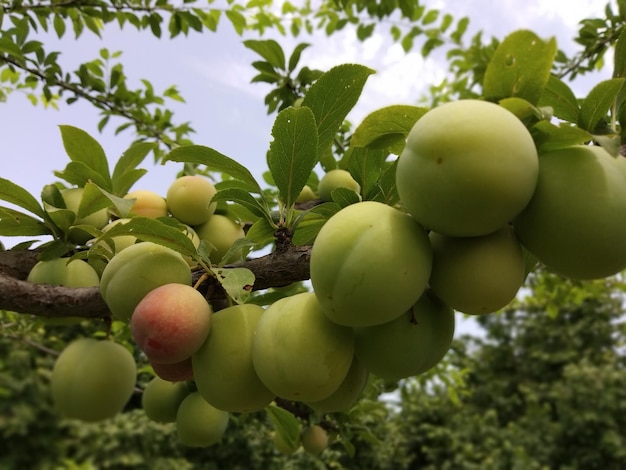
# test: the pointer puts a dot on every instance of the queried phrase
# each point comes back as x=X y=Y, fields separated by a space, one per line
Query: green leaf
x=11 y=192
x=237 y=282
x=261 y=233
x=269 y=49
x=295 y=56
x=214 y=161
x=125 y=172
x=286 y=425
x=156 y=231
x=83 y=148
x=520 y=67
x=332 y=97
x=293 y=151
x=387 y=128
x=366 y=167
x=237 y=19
x=14 y=223
x=344 y=197
x=62 y=218
x=244 y=198
x=95 y=198
x=619 y=58
x=598 y=102
x=79 y=174
x=310 y=222
x=548 y=136
x=561 y=99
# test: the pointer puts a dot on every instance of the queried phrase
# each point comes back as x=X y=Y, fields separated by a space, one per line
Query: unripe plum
x=369 y=264
x=135 y=271
x=306 y=194
x=199 y=424
x=121 y=241
x=476 y=275
x=189 y=199
x=298 y=353
x=160 y=399
x=171 y=322
x=221 y=232
x=177 y=372
x=468 y=168
x=409 y=345
x=348 y=392
x=336 y=179
x=93 y=380
x=58 y=272
x=314 y=439
x=98 y=219
x=575 y=223
x=223 y=369
x=147 y=204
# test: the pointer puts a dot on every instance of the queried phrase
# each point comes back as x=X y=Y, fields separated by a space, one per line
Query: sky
x=212 y=72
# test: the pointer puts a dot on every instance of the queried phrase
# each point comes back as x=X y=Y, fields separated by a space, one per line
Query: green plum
x=467 y=169
x=160 y=399
x=135 y=271
x=409 y=345
x=336 y=179
x=348 y=392
x=223 y=369
x=199 y=424
x=369 y=264
x=93 y=380
x=147 y=204
x=221 y=232
x=72 y=198
x=189 y=199
x=477 y=275
x=575 y=224
x=298 y=353
x=60 y=272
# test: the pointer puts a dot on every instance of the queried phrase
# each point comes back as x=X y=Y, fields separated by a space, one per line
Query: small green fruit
x=199 y=424
x=161 y=399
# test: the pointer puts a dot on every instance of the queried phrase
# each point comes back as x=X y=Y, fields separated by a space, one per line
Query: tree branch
x=276 y=269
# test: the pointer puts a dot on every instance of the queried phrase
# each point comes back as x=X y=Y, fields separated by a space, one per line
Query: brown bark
x=286 y=265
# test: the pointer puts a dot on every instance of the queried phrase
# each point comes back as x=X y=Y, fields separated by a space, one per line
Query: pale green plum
x=58 y=272
x=409 y=345
x=298 y=353
x=336 y=179
x=369 y=264
x=147 y=204
x=575 y=224
x=314 y=439
x=221 y=232
x=119 y=242
x=306 y=194
x=92 y=380
x=477 y=275
x=199 y=424
x=348 y=392
x=189 y=199
x=468 y=168
x=160 y=399
x=171 y=322
x=223 y=369
x=135 y=271
x=98 y=219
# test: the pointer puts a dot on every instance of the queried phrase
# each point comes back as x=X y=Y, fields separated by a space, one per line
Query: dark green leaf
x=561 y=99
x=293 y=151
x=295 y=56
x=344 y=197
x=214 y=161
x=387 y=128
x=366 y=166
x=14 y=223
x=156 y=231
x=286 y=425
x=244 y=198
x=83 y=148
x=548 y=136
x=79 y=174
x=332 y=96
x=598 y=102
x=520 y=67
x=269 y=49
x=619 y=59
x=127 y=164
x=11 y=192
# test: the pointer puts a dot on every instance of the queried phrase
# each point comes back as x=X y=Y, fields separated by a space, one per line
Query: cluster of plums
x=477 y=202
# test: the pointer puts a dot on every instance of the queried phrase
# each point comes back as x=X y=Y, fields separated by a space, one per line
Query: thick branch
x=277 y=269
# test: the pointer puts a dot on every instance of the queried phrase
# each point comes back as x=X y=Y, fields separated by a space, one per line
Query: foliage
x=550 y=361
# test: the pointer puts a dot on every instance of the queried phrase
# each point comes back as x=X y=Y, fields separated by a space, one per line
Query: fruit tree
x=304 y=296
